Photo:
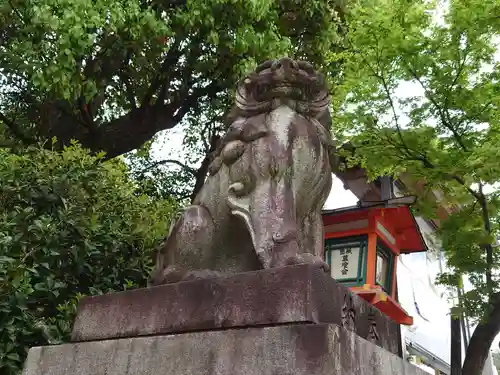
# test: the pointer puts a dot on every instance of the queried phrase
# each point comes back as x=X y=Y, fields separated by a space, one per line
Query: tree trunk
x=202 y=172
x=456 y=346
x=67 y=121
x=481 y=340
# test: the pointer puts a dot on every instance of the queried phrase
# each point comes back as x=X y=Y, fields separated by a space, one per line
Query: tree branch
x=173 y=55
x=459 y=71
x=429 y=165
x=186 y=167
x=127 y=81
x=103 y=65
x=16 y=130
x=184 y=103
x=475 y=116
x=131 y=130
x=487 y=247
x=203 y=135
x=473 y=207
x=460 y=68
x=202 y=172
x=88 y=121
x=393 y=108
x=442 y=116
x=481 y=340
x=16 y=11
x=130 y=92
x=385 y=86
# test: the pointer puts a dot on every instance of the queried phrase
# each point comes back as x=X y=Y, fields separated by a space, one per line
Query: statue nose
x=285 y=63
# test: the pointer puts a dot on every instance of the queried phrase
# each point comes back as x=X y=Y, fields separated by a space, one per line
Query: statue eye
x=263 y=88
x=305 y=66
x=264 y=65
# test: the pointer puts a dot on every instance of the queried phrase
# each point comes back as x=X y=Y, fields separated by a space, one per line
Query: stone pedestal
x=293 y=320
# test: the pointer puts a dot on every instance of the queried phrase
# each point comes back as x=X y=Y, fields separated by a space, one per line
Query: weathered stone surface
x=281 y=350
x=298 y=294
x=260 y=206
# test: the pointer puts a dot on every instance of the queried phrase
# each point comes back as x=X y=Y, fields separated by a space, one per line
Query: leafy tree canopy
x=111 y=74
x=420 y=97
x=70 y=225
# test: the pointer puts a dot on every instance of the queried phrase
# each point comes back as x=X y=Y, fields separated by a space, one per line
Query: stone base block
x=289 y=295
x=303 y=349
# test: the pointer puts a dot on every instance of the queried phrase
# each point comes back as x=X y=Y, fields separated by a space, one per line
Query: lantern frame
x=386 y=253
x=337 y=244
x=389 y=231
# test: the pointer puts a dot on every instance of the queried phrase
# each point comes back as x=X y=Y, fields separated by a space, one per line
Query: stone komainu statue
x=261 y=205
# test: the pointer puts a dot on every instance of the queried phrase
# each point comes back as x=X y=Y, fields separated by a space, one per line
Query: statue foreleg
x=187 y=252
x=269 y=213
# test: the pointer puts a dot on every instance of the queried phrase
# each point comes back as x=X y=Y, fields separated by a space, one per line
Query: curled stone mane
x=276 y=82
x=295 y=84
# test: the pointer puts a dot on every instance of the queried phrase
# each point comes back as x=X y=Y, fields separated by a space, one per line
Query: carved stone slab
x=301 y=349
x=298 y=294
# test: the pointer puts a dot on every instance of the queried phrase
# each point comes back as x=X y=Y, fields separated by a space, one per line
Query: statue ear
x=325 y=119
x=255 y=128
x=231 y=115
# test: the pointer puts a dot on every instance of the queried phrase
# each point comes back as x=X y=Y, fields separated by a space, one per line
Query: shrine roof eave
x=358 y=173
x=399 y=218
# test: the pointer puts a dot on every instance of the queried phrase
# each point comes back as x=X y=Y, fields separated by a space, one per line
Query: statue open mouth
x=280 y=91
x=286 y=80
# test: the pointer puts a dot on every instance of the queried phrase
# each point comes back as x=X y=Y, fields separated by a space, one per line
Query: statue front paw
x=201 y=274
x=307 y=258
x=288 y=254
x=173 y=274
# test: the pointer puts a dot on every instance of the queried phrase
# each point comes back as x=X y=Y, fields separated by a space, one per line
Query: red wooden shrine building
x=362 y=243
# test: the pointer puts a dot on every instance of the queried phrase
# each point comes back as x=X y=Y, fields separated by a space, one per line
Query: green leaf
x=13 y=356
x=110 y=229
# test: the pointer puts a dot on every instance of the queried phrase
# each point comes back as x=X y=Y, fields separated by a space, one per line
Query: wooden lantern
x=362 y=246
